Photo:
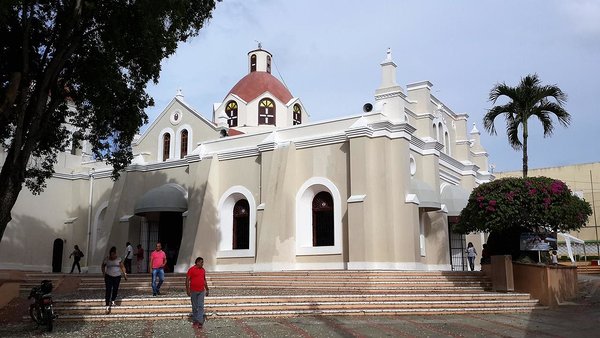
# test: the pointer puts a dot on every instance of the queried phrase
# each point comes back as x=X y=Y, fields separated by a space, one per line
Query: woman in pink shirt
x=158 y=259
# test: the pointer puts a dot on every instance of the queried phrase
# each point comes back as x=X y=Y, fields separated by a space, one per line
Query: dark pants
x=472 y=263
x=127 y=264
x=76 y=263
x=112 y=288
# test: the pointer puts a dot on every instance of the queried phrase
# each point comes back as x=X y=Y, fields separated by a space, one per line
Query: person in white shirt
x=128 y=257
x=112 y=269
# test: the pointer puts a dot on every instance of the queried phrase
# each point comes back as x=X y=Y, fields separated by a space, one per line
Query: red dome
x=256 y=83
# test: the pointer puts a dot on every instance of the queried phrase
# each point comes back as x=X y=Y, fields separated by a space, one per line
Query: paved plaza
x=579 y=318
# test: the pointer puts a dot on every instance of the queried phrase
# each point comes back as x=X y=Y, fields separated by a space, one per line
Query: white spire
x=388 y=71
x=474 y=130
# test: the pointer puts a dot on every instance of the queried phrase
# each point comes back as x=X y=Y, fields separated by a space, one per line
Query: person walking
x=158 y=259
x=197 y=287
x=77 y=255
x=139 y=254
x=112 y=269
x=471 y=254
x=128 y=257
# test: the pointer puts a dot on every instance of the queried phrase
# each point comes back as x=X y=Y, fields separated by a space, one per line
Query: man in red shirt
x=196 y=287
x=158 y=259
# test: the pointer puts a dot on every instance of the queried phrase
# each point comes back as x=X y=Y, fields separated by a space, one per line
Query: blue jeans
x=472 y=263
x=160 y=273
x=198 y=306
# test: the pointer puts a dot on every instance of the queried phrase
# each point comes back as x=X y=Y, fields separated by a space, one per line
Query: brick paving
x=579 y=318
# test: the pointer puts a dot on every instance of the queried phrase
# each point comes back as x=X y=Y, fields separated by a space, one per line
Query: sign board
x=534 y=242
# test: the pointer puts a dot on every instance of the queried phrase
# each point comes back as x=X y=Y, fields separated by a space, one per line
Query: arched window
x=322 y=224
x=184 y=143
x=447 y=142
x=253 y=63
x=232 y=113
x=268 y=64
x=241 y=225
x=297 y=114
x=435 y=134
x=166 y=146
x=441 y=132
x=266 y=112
x=76 y=143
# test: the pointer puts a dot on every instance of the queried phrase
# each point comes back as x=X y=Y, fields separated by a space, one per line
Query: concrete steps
x=297 y=293
x=588 y=269
x=179 y=307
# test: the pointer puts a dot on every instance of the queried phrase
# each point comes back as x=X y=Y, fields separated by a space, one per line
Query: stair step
x=276 y=313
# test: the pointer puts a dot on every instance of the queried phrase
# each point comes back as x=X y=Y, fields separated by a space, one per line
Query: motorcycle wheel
x=34 y=313
x=49 y=321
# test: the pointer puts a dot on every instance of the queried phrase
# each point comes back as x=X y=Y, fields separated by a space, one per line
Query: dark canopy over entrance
x=168 y=197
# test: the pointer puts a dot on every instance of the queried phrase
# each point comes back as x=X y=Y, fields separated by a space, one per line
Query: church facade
x=260 y=188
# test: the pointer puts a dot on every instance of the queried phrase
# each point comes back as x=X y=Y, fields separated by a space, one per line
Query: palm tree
x=528 y=99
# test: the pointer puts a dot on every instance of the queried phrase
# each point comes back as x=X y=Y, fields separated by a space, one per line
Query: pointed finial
x=389 y=55
x=179 y=94
x=474 y=130
x=259 y=44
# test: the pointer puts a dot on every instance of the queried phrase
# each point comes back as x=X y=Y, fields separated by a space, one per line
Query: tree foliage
x=530 y=203
x=81 y=62
x=528 y=99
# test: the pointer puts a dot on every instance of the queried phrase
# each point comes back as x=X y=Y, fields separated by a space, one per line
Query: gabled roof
x=254 y=84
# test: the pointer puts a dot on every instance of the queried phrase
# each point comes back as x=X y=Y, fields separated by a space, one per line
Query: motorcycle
x=41 y=310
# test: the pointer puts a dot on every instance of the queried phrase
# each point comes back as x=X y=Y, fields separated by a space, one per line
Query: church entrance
x=166 y=228
x=57 y=255
x=457 y=248
x=162 y=211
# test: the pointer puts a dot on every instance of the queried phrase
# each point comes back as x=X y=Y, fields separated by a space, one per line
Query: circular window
x=176 y=117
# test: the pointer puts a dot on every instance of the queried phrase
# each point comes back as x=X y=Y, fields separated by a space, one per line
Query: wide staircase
x=296 y=293
x=588 y=269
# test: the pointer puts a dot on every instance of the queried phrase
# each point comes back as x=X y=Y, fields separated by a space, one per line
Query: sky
x=328 y=53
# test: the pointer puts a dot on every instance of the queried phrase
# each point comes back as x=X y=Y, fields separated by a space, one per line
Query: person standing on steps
x=112 y=269
x=139 y=254
x=158 y=259
x=471 y=254
x=77 y=255
x=197 y=287
x=128 y=257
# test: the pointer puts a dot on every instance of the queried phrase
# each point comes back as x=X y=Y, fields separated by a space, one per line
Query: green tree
x=528 y=99
x=81 y=62
x=530 y=203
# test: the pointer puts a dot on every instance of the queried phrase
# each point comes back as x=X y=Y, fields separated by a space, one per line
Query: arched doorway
x=57 y=255
x=322 y=211
x=162 y=210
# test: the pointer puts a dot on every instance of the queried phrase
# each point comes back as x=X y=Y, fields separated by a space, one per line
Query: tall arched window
x=232 y=113
x=266 y=112
x=268 y=64
x=184 y=143
x=253 y=63
x=441 y=132
x=297 y=114
x=166 y=146
x=435 y=134
x=322 y=225
x=241 y=225
x=447 y=143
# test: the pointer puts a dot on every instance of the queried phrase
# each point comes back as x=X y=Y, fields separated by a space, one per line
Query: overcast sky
x=328 y=54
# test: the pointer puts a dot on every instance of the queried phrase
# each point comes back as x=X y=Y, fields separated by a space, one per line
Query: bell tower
x=259 y=60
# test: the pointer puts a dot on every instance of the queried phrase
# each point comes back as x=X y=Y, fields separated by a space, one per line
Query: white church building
x=259 y=187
